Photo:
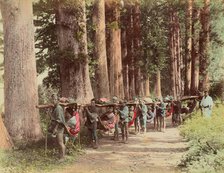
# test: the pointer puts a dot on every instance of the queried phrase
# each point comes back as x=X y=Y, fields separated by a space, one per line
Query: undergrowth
x=206 y=142
x=37 y=159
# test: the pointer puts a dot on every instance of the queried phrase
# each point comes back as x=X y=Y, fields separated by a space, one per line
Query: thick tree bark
x=195 y=53
x=204 y=47
x=74 y=67
x=188 y=49
x=100 y=50
x=20 y=84
x=114 y=52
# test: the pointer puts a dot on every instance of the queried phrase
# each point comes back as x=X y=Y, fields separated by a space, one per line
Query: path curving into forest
x=144 y=153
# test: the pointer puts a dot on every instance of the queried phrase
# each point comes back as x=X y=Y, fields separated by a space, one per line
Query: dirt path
x=144 y=153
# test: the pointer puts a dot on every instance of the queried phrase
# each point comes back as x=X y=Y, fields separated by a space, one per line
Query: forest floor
x=153 y=151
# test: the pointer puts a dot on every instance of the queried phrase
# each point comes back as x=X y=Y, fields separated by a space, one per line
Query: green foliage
x=155 y=37
x=216 y=67
x=206 y=139
x=44 y=95
x=217 y=90
x=48 y=54
x=34 y=160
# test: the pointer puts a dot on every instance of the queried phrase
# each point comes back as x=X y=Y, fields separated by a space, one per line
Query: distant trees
x=140 y=40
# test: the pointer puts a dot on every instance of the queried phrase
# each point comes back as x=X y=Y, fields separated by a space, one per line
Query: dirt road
x=144 y=153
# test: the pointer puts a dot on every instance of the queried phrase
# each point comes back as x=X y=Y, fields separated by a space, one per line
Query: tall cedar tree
x=195 y=51
x=204 y=46
x=21 y=115
x=188 y=47
x=100 y=49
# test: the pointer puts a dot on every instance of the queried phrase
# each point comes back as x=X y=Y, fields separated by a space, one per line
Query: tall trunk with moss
x=72 y=40
x=20 y=78
x=100 y=49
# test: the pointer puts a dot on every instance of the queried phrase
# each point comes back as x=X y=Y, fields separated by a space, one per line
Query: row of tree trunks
x=74 y=70
x=136 y=84
x=114 y=51
x=197 y=41
x=20 y=84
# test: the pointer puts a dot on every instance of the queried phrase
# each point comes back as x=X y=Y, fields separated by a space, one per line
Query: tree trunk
x=125 y=59
x=188 y=59
x=100 y=50
x=136 y=41
x=20 y=84
x=178 y=55
x=147 y=87
x=130 y=57
x=204 y=47
x=114 y=48
x=172 y=53
x=195 y=53
x=74 y=67
x=158 y=92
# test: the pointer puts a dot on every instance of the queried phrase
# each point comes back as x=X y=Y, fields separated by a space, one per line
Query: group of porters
x=67 y=117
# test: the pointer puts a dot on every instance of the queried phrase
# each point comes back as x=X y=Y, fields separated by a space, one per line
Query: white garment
x=206 y=104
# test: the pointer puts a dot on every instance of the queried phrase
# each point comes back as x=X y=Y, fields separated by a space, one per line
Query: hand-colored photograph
x=111 y=86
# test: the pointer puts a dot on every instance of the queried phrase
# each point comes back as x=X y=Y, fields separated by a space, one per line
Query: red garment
x=170 y=111
x=133 y=118
x=75 y=131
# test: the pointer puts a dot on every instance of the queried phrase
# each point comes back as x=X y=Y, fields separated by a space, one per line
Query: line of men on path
x=121 y=116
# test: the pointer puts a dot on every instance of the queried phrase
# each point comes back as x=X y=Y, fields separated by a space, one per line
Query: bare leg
x=164 y=124
x=61 y=144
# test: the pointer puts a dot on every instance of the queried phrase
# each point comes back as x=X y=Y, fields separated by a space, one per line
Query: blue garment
x=162 y=110
x=124 y=114
x=144 y=114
